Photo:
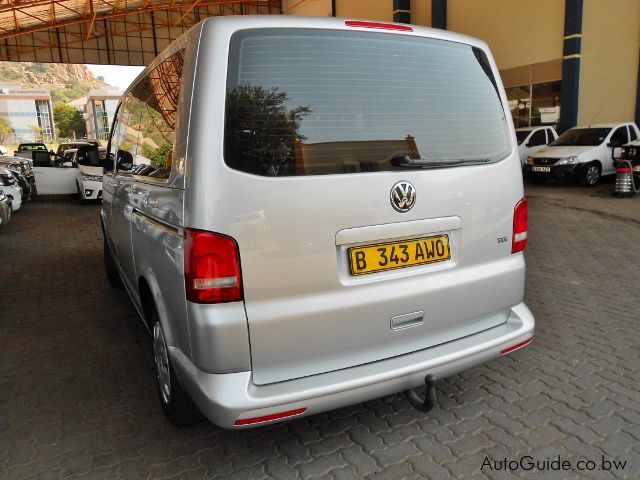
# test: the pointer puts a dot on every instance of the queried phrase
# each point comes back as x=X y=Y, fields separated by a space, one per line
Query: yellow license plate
x=405 y=253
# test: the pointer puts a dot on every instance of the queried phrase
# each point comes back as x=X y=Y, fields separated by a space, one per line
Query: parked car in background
x=581 y=153
x=89 y=165
x=533 y=139
x=5 y=209
x=23 y=183
x=10 y=187
x=24 y=167
x=25 y=149
x=54 y=174
x=287 y=265
x=63 y=147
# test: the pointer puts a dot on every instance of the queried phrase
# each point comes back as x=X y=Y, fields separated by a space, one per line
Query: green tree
x=69 y=121
x=5 y=129
x=262 y=129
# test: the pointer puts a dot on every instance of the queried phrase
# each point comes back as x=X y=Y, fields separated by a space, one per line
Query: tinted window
x=538 y=138
x=143 y=132
x=124 y=138
x=88 y=156
x=582 y=137
x=632 y=134
x=522 y=135
x=305 y=102
x=550 y=136
x=620 y=136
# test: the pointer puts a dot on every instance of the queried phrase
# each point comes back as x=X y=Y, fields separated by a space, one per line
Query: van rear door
x=329 y=134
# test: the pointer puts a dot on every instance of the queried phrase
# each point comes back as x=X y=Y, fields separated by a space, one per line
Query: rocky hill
x=65 y=81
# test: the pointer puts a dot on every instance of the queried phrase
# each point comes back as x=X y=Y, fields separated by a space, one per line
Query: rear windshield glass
x=522 y=135
x=582 y=137
x=303 y=102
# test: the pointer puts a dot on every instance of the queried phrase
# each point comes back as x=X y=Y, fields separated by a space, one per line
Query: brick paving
x=77 y=393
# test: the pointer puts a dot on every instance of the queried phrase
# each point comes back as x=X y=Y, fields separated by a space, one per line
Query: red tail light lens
x=211 y=268
x=520 y=226
x=266 y=418
x=378 y=25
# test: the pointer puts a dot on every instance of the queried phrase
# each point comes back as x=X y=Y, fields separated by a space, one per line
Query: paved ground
x=77 y=396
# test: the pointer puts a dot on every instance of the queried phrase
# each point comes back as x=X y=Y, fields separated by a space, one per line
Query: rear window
x=313 y=102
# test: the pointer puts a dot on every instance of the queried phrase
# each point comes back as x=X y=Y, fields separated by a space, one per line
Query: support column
x=439 y=14
x=570 y=65
x=402 y=11
x=638 y=95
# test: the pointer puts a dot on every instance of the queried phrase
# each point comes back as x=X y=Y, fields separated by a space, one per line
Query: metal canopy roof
x=123 y=32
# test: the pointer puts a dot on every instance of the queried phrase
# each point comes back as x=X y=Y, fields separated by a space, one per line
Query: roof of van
x=291 y=21
x=530 y=129
x=242 y=22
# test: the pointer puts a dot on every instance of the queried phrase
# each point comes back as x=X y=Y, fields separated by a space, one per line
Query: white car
x=533 y=139
x=11 y=189
x=89 y=172
x=54 y=174
x=583 y=153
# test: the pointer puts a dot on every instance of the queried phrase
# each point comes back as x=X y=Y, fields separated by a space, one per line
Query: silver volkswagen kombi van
x=310 y=213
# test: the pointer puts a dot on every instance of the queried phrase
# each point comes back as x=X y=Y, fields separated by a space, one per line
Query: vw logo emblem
x=403 y=196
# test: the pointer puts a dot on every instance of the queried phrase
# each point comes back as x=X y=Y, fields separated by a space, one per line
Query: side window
x=538 y=138
x=619 y=137
x=155 y=98
x=124 y=140
x=550 y=136
x=632 y=134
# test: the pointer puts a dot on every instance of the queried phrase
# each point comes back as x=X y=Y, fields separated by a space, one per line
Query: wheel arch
x=150 y=300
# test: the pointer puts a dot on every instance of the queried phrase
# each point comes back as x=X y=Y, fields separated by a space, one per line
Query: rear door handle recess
x=407 y=320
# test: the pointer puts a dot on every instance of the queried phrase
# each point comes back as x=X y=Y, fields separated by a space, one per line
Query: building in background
x=563 y=63
x=28 y=111
x=98 y=108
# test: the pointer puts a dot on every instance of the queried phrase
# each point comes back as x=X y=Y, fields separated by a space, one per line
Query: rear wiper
x=405 y=161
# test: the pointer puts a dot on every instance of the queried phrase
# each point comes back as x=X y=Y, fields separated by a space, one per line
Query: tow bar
x=429 y=401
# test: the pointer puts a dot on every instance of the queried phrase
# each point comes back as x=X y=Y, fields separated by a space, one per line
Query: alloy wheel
x=162 y=363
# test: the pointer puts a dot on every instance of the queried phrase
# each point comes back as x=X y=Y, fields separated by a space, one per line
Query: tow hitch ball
x=429 y=397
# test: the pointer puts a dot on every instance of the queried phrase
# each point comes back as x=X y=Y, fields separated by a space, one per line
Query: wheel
x=175 y=401
x=110 y=267
x=590 y=174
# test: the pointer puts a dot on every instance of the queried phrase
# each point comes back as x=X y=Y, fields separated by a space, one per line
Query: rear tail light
x=520 y=226
x=378 y=25
x=211 y=268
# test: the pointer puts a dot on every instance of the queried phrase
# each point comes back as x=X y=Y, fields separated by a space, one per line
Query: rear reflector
x=516 y=347
x=211 y=268
x=378 y=25
x=520 y=226
x=266 y=418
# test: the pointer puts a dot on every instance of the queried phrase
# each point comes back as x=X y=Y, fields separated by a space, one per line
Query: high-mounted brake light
x=520 y=226
x=211 y=268
x=517 y=346
x=266 y=418
x=378 y=25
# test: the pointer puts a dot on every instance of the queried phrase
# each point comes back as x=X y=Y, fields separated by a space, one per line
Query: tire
x=110 y=267
x=176 y=404
x=590 y=174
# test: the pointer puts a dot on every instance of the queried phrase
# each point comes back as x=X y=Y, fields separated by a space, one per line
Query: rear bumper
x=225 y=398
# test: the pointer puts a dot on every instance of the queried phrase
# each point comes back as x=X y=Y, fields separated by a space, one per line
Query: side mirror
x=528 y=144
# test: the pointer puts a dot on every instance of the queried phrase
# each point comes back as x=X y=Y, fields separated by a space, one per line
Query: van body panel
x=306 y=313
x=307 y=331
